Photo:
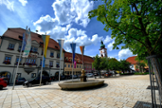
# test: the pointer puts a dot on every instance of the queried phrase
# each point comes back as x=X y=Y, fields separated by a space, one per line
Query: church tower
x=103 y=50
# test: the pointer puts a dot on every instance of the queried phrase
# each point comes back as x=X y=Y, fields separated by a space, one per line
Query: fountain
x=83 y=83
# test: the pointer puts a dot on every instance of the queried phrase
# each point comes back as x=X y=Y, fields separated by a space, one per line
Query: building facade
x=29 y=68
x=87 y=64
x=135 y=64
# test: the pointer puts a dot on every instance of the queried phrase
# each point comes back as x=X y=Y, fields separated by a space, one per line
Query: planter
x=155 y=72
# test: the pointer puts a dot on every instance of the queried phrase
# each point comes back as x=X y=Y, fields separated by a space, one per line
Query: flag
x=82 y=49
x=28 y=45
x=24 y=42
x=45 y=42
x=74 y=64
x=61 y=43
x=73 y=45
x=44 y=61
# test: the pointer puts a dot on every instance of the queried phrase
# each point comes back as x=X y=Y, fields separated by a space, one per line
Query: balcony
x=29 y=67
x=7 y=62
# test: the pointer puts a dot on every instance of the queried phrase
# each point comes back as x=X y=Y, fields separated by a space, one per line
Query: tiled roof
x=16 y=32
x=132 y=60
x=86 y=59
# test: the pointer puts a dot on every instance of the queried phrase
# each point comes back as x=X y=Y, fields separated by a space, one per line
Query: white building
x=29 y=68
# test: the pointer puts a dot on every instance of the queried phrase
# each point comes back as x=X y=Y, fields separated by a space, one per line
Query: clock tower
x=103 y=50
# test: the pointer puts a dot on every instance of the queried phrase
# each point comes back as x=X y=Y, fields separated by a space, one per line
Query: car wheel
x=29 y=85
x=1 y=87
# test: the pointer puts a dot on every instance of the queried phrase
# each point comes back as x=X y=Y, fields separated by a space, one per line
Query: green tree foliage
x=99 y=64
x=113 y=64
x=124 y=65
x=135 y=23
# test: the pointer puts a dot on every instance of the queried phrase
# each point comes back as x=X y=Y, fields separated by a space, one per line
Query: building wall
x=11 y=68
x=68 y=70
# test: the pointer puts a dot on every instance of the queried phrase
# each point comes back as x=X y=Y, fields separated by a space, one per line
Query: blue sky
x=67 y=19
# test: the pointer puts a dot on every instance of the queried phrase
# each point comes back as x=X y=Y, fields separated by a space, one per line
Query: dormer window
x=56 y=47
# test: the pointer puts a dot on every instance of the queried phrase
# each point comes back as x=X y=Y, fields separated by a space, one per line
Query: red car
x=2 y=83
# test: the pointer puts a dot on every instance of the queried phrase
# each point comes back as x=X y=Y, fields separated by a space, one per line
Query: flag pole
x=42 y=63
x=17 y=66
x=60 y=62
x=72 y=60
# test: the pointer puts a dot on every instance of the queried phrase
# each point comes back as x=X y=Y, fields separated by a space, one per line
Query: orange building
x=135 y=63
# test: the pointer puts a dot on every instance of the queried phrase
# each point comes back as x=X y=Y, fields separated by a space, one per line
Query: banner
x=74 y=64
x=45 y=43
x=28 y=45
x=24 y=42
x=82 y=49
x=61 y=43
x=73 y=46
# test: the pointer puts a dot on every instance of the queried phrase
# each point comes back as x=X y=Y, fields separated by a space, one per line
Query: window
x=18 y=75
x=68 y=65
x=57 y=64
x=17 y=60
x=80 y=66
x=71 y=65
x=51 y=63
x=51 y=54
x=42 y=52
x=34 y=49
x=30 y=61
x=58 y=55
x=7 y=60
x=11 y=46
x=65 y=65
x=77 y=66
x=33 y=75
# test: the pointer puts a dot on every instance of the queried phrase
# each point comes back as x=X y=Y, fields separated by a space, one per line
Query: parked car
x=68 y=76
x=75 y=76
x=89 y=75
x=45 y=81
x=62 y=77
x=20 y=80
x=6 y=79
x=107 y=74
x=3 y=83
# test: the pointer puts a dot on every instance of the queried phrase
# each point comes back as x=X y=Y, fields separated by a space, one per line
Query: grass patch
x=140 y=73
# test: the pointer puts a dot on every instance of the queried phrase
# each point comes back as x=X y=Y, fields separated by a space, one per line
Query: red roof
x=16 y=32
x=86 y=59
x=132 y=60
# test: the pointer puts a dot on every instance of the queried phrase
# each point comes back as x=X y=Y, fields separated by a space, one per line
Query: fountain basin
x=79 y=84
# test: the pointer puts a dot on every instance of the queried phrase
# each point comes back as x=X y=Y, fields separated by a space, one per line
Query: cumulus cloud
x=46 y=23
x=67 y=11
x=110 y=46
x=9 y=4
x=81 y=8
x=107 y=40
x=124 y=53
x=23 y=2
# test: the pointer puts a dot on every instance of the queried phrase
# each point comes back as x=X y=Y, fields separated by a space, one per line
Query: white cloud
x=23 y=2
x=46 y=23
x=110 y=46
x=107 y=40
x=81 y=8
x=124 y=53
x=8 y=3
x=67 y=11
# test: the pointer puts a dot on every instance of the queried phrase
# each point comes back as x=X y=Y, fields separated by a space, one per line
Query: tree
x=136 y=23
x=142 y=65
x=124 y=65
x=99 y=64
x=113 y=64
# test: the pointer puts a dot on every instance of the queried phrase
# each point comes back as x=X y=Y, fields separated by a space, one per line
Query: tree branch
x=156 y=43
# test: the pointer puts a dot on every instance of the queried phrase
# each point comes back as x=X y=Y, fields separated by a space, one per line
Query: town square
x=80 y=54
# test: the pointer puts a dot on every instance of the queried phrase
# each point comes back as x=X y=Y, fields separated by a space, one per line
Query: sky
x=66 y=19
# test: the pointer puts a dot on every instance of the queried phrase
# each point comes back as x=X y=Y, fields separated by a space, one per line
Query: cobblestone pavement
x=120 y=92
